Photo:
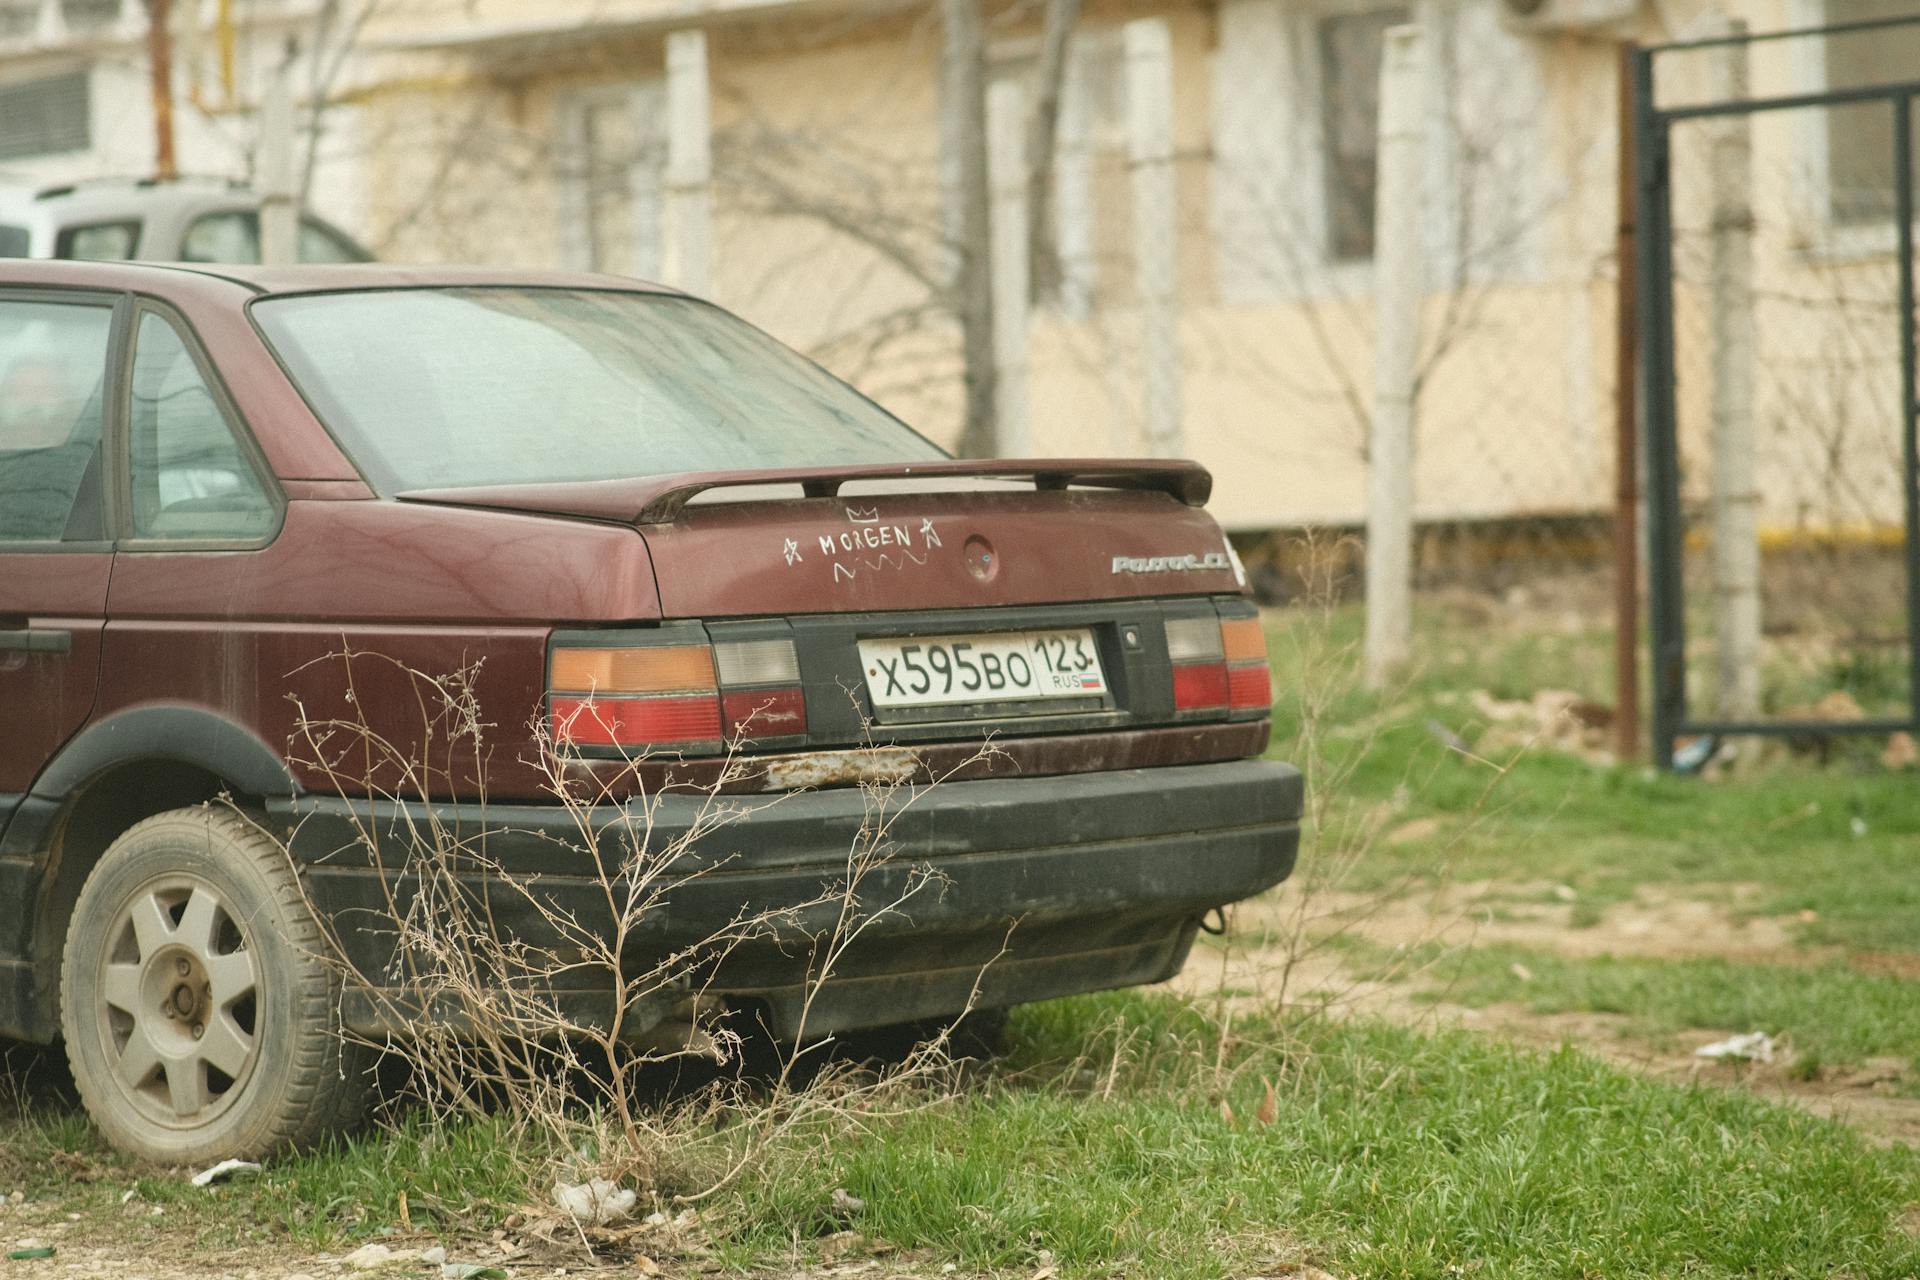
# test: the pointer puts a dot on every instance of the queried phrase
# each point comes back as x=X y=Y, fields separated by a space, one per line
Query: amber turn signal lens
x=656 y=669
x=1243 y=639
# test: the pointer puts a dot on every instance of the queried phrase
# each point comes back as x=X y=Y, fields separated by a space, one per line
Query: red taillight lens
x=1249 y=688
x=635 y=722
x=1200 y=687
x=764 y=713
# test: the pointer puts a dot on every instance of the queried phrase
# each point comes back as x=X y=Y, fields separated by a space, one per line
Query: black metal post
x=1626 y=436
x=1909 y=412
x=1654 y=217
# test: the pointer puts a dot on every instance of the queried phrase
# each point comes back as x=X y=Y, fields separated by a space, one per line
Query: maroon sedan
x=662 y=537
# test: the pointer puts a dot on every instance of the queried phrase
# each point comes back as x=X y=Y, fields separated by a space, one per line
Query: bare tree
x=1055 y=44
x=963 y=103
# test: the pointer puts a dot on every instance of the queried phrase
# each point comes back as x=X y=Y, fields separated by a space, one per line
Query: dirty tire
x=199 y=1009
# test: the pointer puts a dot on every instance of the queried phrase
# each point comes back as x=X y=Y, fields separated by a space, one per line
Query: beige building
x=538 y=133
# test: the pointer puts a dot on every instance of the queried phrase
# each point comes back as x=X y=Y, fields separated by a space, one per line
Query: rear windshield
x=13 y=241
x=450 y=388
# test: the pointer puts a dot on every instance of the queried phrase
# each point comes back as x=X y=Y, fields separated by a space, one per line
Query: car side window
x=320 y=243
x=53 y=367
x=233 y=236
x=100 y=242
x=190 y=477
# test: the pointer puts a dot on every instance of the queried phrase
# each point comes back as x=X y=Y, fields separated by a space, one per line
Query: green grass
x=1832 y=848
x=1394 y=1154
x=1604 y=830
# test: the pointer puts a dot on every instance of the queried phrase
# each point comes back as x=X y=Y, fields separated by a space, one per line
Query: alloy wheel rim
x=179 y=1002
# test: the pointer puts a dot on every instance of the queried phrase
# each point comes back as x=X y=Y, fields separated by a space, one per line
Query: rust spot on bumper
x=841 y=768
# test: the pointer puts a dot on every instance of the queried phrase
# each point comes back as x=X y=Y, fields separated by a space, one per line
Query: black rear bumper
x=993 y=892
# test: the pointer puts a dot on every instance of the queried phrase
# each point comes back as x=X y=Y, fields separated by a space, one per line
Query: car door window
x=321 y=243
x=100 y=242
x=233 y=236
x=190 y=476
x=53 y=363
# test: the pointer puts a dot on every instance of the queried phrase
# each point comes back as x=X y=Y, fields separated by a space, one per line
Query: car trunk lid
x=892 y=537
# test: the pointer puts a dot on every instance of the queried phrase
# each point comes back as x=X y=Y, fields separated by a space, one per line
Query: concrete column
x=1399 y=284
x=689 y=163
x=50 y=23
x=1012 y=269
x=1156 y=226
x=1735 y=499
x=273 y=171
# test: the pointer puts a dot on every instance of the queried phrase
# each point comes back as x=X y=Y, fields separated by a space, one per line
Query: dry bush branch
x=559 y=1010
x=1285 y=957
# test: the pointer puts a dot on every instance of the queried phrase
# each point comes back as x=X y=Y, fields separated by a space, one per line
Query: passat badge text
x=1171 y=564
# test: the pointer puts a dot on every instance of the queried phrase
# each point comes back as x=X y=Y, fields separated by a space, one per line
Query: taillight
x=1249 y=684
x=637 y=696
x=684 y=696
x=1219 y=664
x=666 y=668
x=1199 y=664
x=598 y=720
x=763 y=697
x=1200 y=687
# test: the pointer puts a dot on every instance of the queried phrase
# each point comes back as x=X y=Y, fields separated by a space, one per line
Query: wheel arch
x=117 y=772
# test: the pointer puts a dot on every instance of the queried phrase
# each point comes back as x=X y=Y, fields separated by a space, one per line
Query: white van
x=174 y=220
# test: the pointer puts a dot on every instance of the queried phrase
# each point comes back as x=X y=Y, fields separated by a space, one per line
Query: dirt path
x=1712 y=920
x=142 y=1246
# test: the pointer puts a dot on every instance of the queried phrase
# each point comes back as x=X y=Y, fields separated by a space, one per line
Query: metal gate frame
x=1653 y=206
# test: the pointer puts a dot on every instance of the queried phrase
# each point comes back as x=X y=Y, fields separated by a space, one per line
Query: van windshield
x=462 y=387
x=13 y=241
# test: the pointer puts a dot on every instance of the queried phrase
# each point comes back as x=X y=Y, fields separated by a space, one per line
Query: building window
x=44 y=117
x=1349 y=51
x=612 y=163
x=1859 y=138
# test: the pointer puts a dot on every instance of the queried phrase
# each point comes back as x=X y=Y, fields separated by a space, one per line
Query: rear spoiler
x=658 y=499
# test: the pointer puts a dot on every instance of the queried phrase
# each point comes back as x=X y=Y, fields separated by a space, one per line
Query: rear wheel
x=198 y=1004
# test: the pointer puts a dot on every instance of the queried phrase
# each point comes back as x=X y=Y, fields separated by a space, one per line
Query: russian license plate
x=1006 y=666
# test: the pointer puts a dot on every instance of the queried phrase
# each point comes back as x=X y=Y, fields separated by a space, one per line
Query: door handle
x=36 y=640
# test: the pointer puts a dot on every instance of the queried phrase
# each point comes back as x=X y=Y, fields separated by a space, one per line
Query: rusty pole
x=1626 y=461
x=160 y=75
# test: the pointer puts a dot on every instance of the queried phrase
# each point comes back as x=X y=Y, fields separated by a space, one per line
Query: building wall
x=828 y=179
x=467 y=131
